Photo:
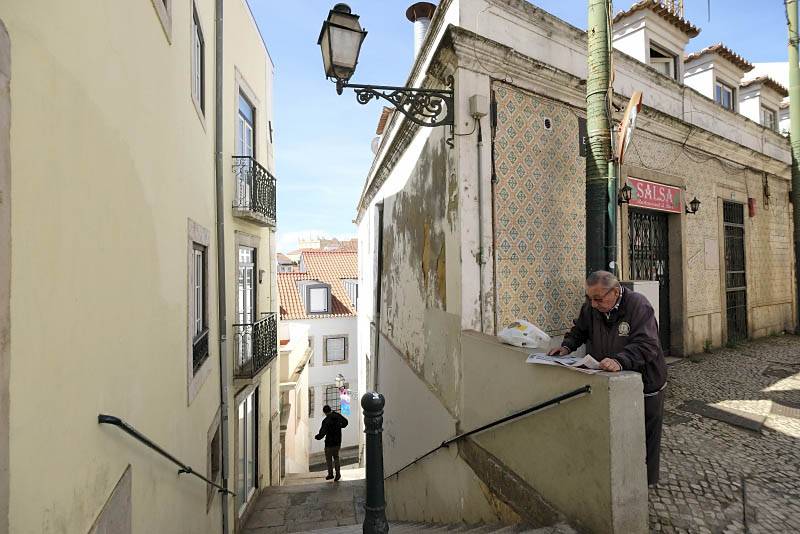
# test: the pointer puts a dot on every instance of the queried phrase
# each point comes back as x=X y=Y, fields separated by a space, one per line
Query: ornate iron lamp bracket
x=425 y=107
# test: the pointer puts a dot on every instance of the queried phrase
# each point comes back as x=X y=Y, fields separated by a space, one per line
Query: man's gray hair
x=604 y=278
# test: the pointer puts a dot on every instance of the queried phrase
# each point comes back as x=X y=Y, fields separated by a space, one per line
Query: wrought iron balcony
x=255 y=346
x=200 y=349
x=255 y=191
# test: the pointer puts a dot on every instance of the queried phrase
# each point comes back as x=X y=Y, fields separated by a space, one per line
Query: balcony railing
x=255 y=191
x=200 y=349
x=255 y=345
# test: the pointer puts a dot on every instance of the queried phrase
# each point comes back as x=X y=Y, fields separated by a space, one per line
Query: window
x=310 y=402
x=198 y=63
x=662 y=61
x=351 y=286
x=244 y=127
x=197 y=307
x=318 y=299
x=246 y=455
x=335 y=349
x=214 y=454
x=197 y=331
x=724 y=96
x=213 y=459
x=246 y=303
x=332 y=397
x=768 y=118
x=198 y=286
x=164 y=11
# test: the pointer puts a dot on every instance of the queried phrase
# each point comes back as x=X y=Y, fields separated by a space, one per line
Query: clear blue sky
x=322 y=140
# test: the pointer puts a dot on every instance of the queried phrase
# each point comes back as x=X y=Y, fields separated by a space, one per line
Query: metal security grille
x=649 y=260
x=735 y=274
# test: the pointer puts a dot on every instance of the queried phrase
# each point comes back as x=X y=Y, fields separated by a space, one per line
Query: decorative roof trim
x=662 y=11
x=766 y=81
x=724 y=52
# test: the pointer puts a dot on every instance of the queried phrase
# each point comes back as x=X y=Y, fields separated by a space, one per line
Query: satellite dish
x=375 y=144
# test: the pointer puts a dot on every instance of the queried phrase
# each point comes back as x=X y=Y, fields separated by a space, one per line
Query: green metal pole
x=599 y=145
x=794 y=136
x=611 y=239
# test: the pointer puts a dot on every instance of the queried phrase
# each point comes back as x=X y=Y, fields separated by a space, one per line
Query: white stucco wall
x=321 y=375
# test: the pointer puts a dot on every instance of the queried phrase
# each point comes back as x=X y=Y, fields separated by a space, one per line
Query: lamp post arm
x=424 y=107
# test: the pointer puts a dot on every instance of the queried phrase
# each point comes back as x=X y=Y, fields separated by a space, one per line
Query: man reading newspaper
x=620 y=330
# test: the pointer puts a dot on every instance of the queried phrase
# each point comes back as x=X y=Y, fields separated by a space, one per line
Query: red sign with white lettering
x=655 y=196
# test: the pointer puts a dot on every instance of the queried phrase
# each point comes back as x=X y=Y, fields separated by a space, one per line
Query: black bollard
x=375 y=517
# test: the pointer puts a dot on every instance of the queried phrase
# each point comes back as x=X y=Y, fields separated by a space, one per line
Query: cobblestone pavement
x=710 y=468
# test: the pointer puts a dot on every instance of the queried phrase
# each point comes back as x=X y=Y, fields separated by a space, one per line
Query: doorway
x=735 y=272
x=648 y=241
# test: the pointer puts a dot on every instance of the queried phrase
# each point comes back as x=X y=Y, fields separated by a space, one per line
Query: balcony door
x=244 y=147
x=246 y=302
x=246 y=450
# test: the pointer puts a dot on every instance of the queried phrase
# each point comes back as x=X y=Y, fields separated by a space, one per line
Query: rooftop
x=766 y=81
x=663 y=11
x=724 y=52
x=329 y=267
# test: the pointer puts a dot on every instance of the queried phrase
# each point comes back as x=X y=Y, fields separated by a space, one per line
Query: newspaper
x=586 y=364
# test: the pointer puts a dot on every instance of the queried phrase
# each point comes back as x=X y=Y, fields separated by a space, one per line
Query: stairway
x=308 y=503
x=422 y=528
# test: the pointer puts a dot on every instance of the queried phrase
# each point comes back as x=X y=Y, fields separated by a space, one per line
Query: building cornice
x=461 y=48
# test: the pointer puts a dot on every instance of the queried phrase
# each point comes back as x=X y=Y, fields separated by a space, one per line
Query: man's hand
x=558 y=351
x=607 y=364
x=318 y=436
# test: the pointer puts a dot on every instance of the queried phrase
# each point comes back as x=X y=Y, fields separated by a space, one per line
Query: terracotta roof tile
x=385 y=114
x=722 y=51
x=326 y=266
x=664 y=12
x=767 y=82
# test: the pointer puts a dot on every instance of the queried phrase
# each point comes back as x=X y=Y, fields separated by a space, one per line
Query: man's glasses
x=600 y=299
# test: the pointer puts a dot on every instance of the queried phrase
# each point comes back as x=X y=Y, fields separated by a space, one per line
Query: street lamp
x=694 y=205
x=339 y=381
x=340 y=40
x=624 y=194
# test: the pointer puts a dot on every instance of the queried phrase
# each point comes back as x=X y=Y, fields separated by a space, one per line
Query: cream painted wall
x=115 y=160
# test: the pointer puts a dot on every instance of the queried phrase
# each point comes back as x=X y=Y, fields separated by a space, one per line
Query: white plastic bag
x=523 y=334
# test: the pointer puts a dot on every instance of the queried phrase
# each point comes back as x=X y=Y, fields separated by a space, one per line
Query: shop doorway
x=648 y=257
x=735 y=274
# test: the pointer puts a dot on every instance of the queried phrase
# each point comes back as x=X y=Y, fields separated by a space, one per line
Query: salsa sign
x=655 y=196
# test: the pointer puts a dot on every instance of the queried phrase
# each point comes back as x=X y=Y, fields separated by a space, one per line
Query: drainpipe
x=794 y=137
x=221 y=311
x=599 y=145
x=377 y=313
x=477 y=117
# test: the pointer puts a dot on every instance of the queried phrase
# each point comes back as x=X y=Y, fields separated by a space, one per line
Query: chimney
x=420 y=14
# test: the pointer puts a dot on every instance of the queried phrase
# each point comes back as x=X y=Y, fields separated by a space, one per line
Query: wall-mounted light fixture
x=694 y=205
x=339 y=381
x=624 y=194
x=340 y=40
x=261 y=273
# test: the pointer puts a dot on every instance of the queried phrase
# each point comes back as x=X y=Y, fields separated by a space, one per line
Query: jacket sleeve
x=642 y=346
x=322 y=429
x=343 y=422
x=579 y=332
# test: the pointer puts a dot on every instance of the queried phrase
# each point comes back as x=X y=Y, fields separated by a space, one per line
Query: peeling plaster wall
x=420 y=238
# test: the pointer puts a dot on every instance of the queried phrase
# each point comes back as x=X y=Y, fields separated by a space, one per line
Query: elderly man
x=620 y=330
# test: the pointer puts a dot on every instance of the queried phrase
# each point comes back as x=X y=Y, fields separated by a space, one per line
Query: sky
x=322 y=140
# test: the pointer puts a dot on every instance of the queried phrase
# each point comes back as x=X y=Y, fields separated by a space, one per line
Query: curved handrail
x=116 y=421
x=585 y=390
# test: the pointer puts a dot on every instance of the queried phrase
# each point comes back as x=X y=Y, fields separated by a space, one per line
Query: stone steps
x=424 y=528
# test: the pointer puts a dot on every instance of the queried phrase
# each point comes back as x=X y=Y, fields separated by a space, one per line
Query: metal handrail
x=585 y=390
x=116 y=421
